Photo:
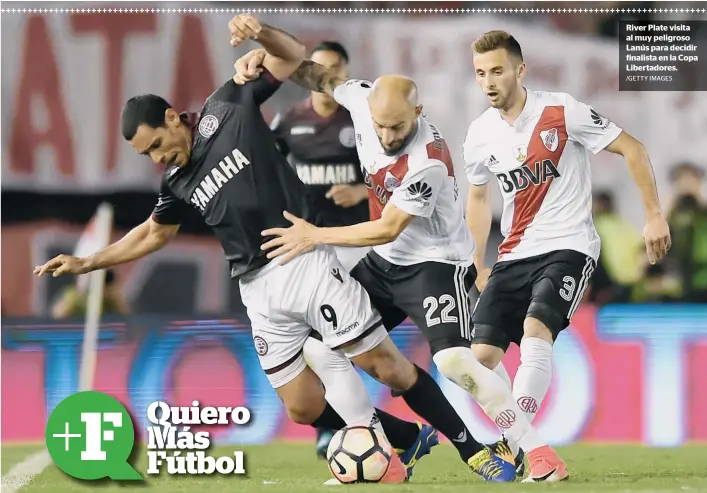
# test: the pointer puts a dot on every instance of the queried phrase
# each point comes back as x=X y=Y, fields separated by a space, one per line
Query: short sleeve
x=589 y=128
x=352 y=93
x=258 y=90
x=418 y=192
x=169 y=209
x=474 y=161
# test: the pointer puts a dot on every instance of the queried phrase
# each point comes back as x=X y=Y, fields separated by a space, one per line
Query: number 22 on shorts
x=447 y=302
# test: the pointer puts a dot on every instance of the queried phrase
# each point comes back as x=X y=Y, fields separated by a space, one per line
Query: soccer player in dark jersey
x=318 y=139
x=224 y=163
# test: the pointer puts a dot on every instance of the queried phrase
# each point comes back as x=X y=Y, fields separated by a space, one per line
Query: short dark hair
x=605 y=197
x=686 y=166
x=334 y=46
x=147 y=109
x=497 y=40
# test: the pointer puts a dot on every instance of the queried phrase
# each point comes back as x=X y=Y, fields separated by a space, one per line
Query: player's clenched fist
x=248 y=67
x=656 y=233
x=63 y=264
x=242 y=27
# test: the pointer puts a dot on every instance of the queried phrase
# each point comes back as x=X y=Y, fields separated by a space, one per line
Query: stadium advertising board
x=621 y=374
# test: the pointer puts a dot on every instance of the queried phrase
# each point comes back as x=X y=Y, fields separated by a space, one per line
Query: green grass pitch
x=292 y=467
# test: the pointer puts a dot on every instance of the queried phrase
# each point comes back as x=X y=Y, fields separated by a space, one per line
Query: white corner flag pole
x=94 y=303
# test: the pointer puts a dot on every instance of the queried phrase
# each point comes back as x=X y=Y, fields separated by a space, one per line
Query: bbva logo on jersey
x=521 y=178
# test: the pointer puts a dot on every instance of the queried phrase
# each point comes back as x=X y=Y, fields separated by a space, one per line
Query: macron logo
x=419 y=190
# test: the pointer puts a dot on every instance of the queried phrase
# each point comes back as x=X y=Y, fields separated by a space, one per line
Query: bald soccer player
x=421 y=264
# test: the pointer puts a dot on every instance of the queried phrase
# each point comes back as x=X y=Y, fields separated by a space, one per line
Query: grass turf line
x=293 y=467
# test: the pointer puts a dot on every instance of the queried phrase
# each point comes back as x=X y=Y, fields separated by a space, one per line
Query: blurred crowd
x=624 y=274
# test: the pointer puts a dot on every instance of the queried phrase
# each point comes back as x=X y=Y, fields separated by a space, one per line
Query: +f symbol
x=66 y=435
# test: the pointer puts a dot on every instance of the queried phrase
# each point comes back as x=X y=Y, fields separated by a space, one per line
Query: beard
x=403 y=143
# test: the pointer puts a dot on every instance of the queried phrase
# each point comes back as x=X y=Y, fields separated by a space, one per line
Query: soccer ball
x=359 y=454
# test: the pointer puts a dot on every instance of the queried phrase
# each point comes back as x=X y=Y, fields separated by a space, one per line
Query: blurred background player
x=621 y=262
x=72 y=301
x=318 y=139
x=688 y=221
x=537 y=145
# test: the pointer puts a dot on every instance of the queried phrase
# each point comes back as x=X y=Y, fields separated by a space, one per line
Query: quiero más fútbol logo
x=174 y=447
x=90 y=435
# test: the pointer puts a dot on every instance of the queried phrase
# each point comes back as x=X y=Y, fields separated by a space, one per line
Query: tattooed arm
x=316 y=77
x=310 y=75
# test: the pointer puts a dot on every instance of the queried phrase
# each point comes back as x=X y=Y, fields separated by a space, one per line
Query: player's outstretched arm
x=283 y=53
x=146 y=238
x=392 y=222
x=302 y=236
x=315 y=77
x=656 y=232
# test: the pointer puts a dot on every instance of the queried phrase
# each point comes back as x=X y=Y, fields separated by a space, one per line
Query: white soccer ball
x=359 y=454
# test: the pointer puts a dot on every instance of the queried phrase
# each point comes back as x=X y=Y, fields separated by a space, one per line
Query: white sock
x=344 y=388
x=493 y=395
x=500 y=370
x=534 y=374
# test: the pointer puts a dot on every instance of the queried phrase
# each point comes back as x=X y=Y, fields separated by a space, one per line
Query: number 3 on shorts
x=567 y=289
x=447 y=302
x=329 y=315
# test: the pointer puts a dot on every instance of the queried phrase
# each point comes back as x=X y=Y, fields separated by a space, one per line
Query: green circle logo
x=90 y=436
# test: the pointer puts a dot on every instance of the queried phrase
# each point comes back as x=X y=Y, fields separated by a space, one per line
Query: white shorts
x=313 y=291
x=349 y=256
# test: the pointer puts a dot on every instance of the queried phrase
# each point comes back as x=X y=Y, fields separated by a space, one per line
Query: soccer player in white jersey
x=421 y=265
x=537 y=144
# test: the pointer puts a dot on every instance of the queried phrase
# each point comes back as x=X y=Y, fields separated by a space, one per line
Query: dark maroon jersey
x=236 y=177
x=323 y=152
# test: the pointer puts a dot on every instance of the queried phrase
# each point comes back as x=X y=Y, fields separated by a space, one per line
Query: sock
x=402 y=434
x=500 y=370
x=345 y=391
x=488 y=389
x=329 y=420
x=534 y=374
x=428 y=401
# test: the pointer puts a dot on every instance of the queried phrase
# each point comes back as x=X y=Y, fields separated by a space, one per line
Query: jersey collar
x=190 y=119
x=527 y=111
x=528 y=108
